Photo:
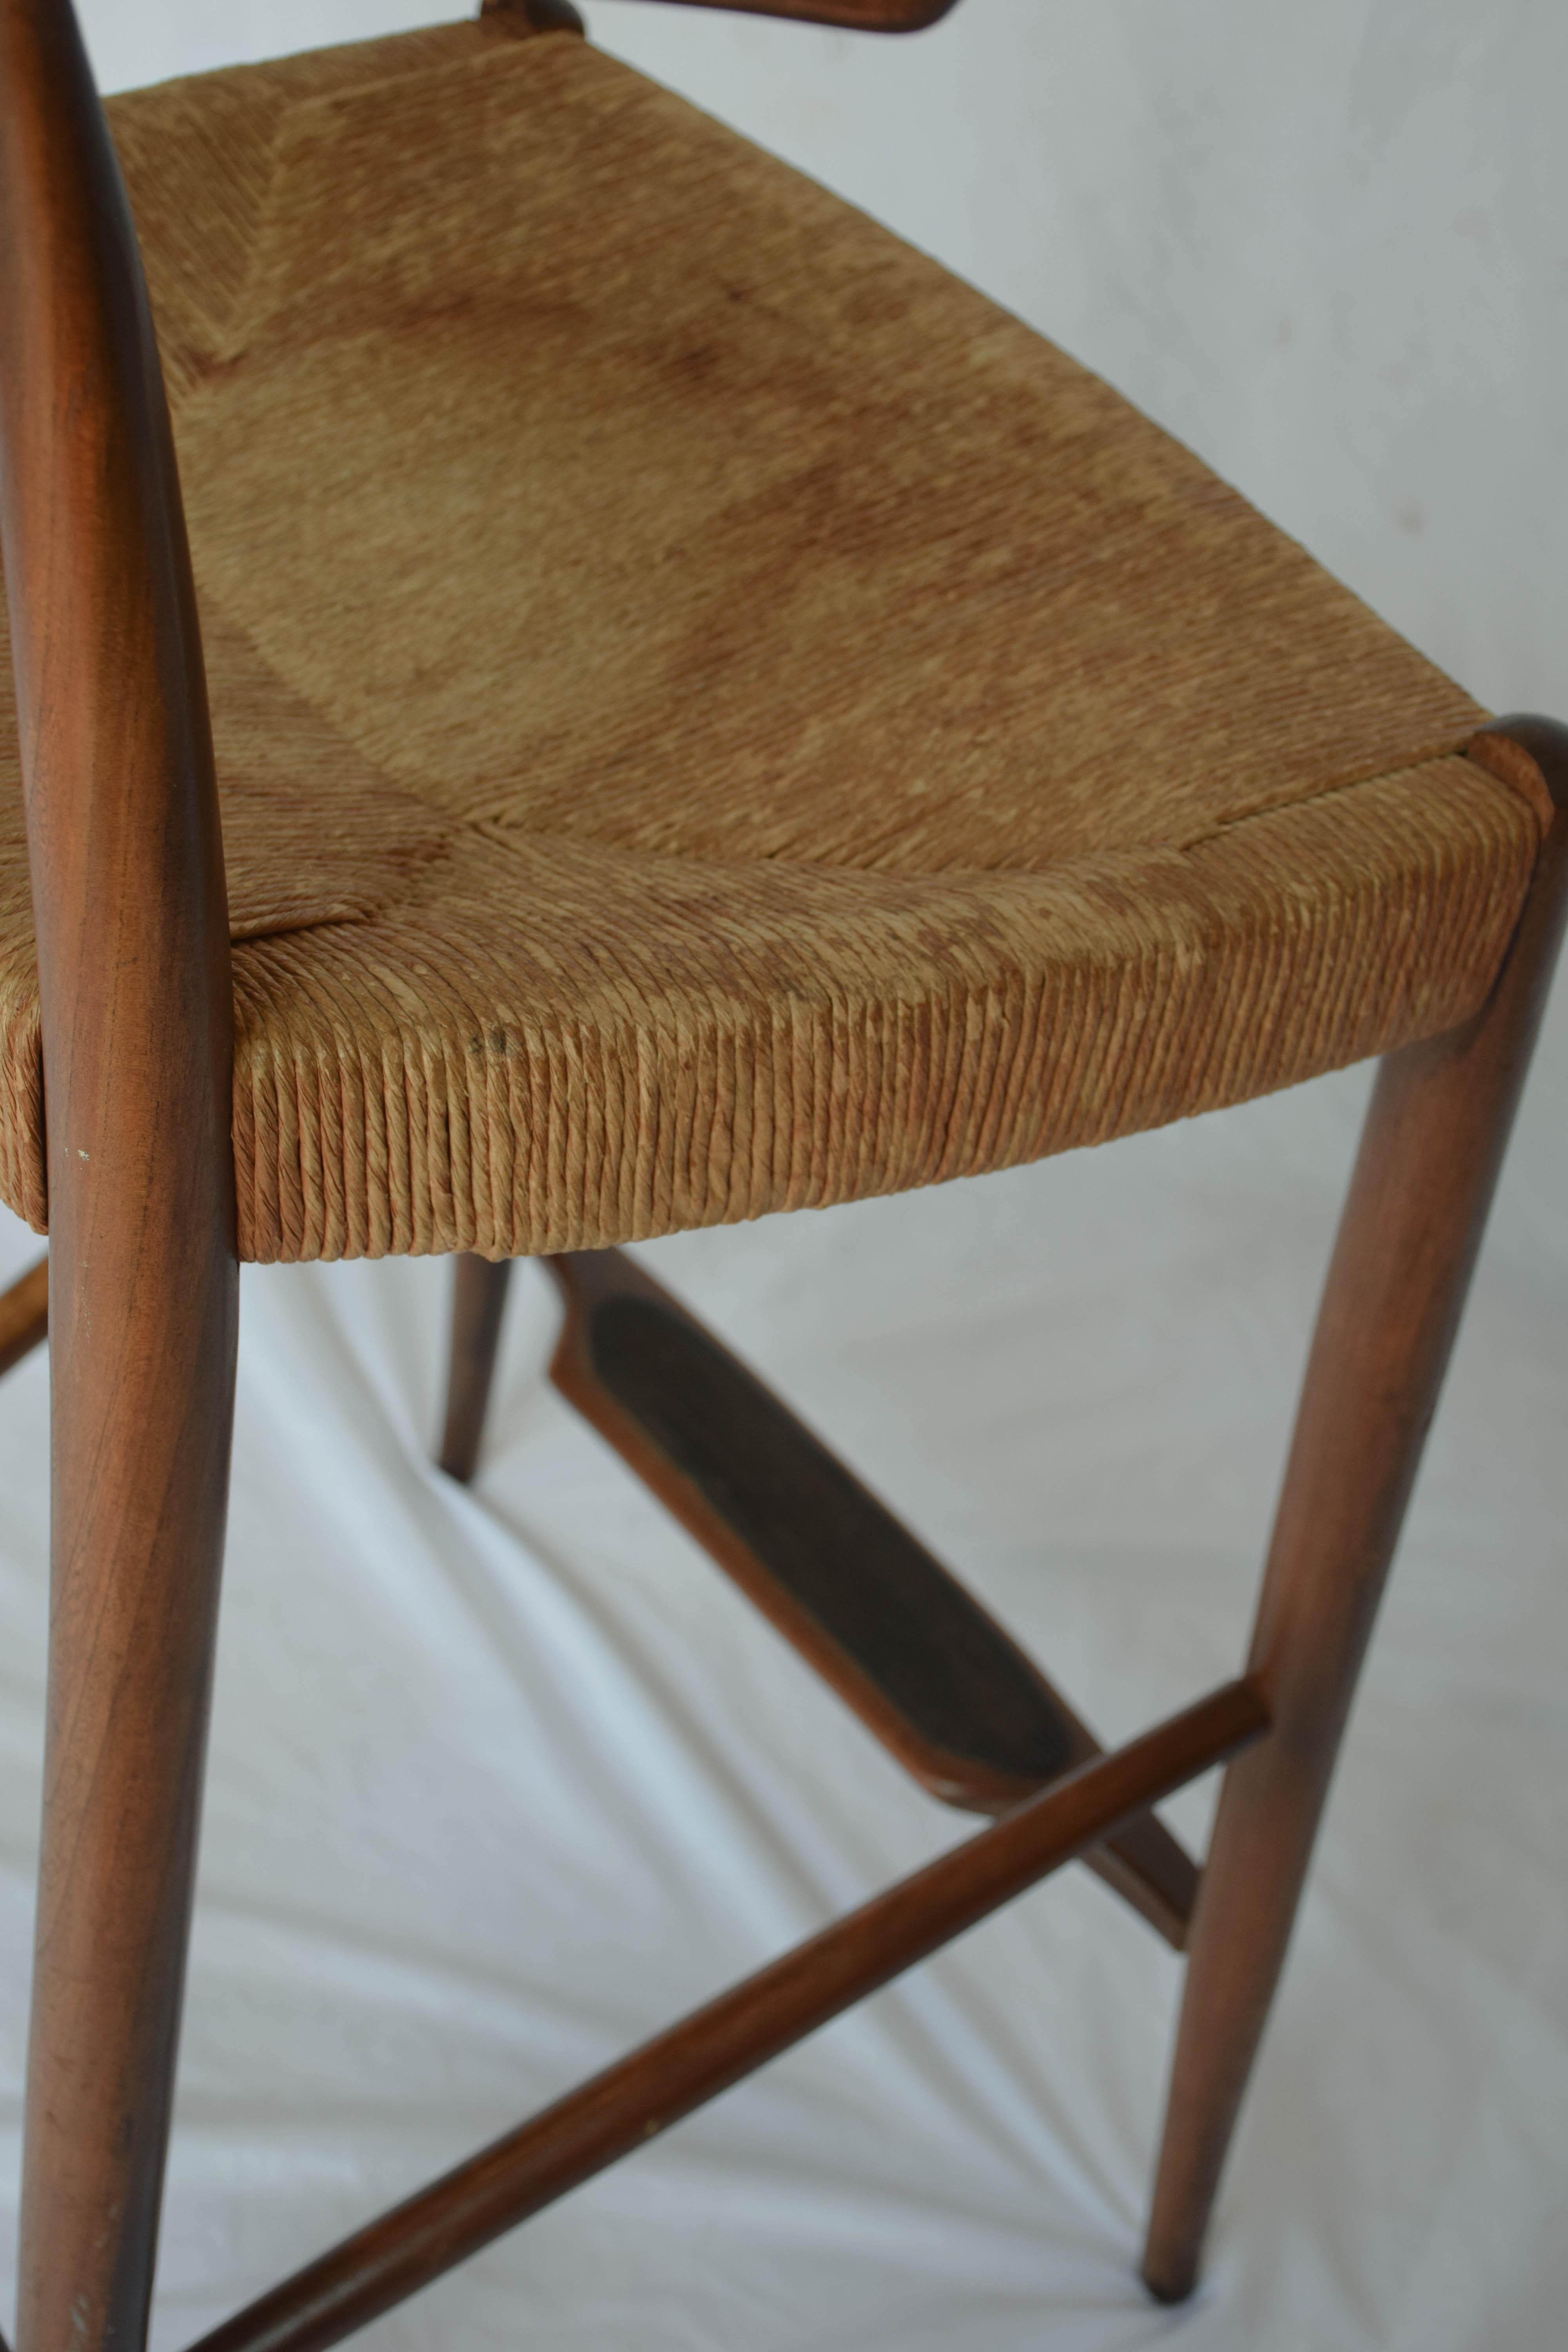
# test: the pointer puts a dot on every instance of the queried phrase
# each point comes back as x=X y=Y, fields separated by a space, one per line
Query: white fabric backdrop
x=502 y=1780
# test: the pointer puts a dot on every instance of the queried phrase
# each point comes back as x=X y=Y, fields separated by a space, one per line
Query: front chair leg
x=142 y=1365
x=1430 y=1154
x=136 y=1006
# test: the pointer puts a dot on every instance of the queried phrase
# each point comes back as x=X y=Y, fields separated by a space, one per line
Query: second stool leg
x=1433 y=1142
x=478 y=1305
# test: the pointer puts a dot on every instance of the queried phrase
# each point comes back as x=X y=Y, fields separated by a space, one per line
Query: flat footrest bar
x=642 y=2094
x=930 y=1673
x=25 y=1315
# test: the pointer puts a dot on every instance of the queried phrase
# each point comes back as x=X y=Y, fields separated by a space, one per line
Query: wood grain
x=133 y=964
x=1435 y=1138
x=631 y=2102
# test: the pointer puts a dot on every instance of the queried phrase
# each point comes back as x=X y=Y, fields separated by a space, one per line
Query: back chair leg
x=478 y=1305
x=1433 y=1145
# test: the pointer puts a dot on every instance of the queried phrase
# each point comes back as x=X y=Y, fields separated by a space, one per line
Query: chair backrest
x=855 y=16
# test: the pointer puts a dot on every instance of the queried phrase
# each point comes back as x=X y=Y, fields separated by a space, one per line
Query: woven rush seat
x=713 y=716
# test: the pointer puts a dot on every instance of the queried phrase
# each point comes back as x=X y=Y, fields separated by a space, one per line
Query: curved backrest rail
x=137 y=1038
x=851 y=16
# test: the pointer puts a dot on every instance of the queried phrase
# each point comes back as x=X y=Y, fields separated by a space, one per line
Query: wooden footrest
x=925 y=1667
x=642 y=2094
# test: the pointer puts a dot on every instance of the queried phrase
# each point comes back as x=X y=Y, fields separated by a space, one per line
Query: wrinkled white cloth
x=502 y=1780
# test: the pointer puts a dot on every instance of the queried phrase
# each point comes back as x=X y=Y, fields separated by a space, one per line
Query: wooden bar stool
x=670 y=707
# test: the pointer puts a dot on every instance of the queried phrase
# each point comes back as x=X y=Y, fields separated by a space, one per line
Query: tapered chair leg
x=136 y=998
x=140 y=1480
x=479 y=1305
x=1434 y=1141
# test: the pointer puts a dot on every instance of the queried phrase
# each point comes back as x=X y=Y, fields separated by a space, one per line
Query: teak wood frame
x=140 y=1300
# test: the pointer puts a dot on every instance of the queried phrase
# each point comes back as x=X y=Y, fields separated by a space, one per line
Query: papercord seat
x=712 y=715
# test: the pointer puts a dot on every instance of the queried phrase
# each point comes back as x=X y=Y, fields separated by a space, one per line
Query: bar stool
x=645 y=703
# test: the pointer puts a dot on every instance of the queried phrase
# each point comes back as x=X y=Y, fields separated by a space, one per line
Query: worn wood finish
x=479 y=1307
x=961 y=1658
x=641 y=2096
x=929 y=1672
x=927 y=1669
x=25 y=1315
x=1434 y=1139
x=133 y=962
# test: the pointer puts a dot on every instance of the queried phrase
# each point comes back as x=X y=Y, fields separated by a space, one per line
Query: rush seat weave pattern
x=713 y=716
